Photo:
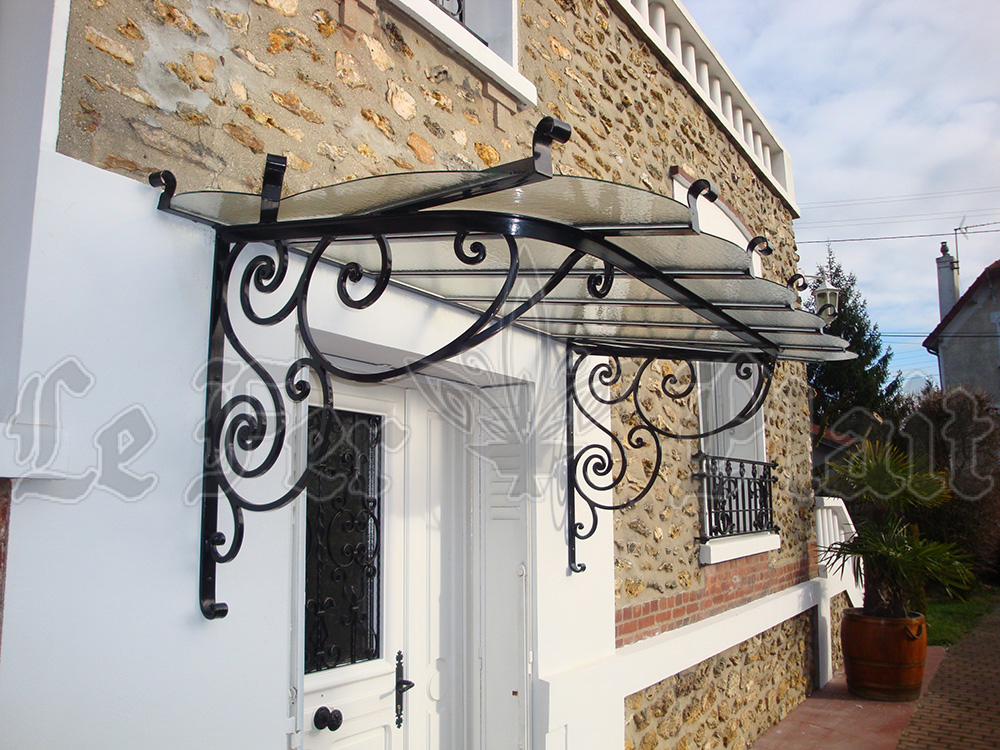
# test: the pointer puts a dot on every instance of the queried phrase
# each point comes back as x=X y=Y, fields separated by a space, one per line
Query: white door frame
x=358 y=398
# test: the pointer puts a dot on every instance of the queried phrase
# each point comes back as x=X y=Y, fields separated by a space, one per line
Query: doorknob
x=402 y=685
x=324 y=718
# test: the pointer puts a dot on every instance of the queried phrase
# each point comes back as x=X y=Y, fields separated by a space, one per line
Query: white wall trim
x=730 y=548
x=640 y=665
x=54 y=74
x=471 y=49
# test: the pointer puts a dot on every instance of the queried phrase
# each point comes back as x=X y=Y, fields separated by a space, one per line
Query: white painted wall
x=103 y=641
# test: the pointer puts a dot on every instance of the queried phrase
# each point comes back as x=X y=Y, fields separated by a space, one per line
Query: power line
x=894 y=237
x=943 y=335
x=973 y=226
x=897 y=198
x=896 y=218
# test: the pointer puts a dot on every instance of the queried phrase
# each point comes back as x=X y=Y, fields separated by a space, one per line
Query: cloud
x=875 y=99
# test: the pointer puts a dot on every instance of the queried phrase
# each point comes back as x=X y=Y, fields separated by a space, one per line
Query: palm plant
x=881 y=482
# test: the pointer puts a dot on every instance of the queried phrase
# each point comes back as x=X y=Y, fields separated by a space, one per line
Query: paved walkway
x=833 y=719
x=959 y=710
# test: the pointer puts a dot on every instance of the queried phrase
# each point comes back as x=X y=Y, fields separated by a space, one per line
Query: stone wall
x=659 y=582
x=838 y=605
x=205 y=89
x=729 y=700
x=4 y=531
x=351 y=89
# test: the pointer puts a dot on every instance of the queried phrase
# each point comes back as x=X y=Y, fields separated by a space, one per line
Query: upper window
x=737 y=478
x=737 y=475
x=483 y=32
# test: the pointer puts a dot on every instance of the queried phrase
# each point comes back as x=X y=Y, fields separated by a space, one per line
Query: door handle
x=402 y=685
x=324 y=718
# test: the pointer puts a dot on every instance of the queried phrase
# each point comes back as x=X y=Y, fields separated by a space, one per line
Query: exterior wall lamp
x=826 y=297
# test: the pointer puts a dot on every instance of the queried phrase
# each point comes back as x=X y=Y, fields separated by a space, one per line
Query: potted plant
x=885 y=643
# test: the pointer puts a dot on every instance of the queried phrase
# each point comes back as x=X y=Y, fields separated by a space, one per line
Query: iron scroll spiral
x=353 y=273
x=243 y=425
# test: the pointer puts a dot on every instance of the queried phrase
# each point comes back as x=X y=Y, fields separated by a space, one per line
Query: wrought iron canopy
x=610 y=270
x=583 y=260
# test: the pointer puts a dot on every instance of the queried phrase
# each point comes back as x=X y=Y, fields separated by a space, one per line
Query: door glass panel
x=342 y=617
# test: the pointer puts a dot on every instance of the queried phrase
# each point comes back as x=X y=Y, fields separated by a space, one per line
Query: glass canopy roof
x=577 y=259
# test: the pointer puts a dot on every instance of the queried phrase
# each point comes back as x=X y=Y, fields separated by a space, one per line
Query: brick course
x=727 y=585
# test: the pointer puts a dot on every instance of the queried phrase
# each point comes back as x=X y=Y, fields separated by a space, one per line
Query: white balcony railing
x=834 y=524
x=677 y=38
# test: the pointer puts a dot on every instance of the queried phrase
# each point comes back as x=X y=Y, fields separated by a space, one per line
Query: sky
x=890 y=110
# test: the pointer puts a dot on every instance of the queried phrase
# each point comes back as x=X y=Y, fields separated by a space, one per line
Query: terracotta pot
x=884 y=657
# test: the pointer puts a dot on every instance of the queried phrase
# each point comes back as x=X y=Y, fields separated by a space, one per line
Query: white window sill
x=459 y=38
x=730 y=548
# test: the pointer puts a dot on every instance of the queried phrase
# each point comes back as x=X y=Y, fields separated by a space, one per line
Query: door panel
x=422 y=550
x=364 y=692
x=501 y=566
x=438 y=489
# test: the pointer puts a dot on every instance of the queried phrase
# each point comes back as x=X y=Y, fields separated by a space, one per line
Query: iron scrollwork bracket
x=246 y=435
x=599 y=378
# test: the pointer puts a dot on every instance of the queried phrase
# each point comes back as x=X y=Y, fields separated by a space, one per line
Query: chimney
x=947 y=268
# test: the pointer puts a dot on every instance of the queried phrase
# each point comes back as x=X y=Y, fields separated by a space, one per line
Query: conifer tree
x=847 y=394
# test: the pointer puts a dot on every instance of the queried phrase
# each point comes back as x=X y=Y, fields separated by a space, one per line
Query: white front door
x=385 y=538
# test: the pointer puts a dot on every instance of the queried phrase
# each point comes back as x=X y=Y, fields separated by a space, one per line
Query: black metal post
x=211 y=537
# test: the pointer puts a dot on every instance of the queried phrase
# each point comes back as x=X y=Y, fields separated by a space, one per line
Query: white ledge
x=460 y=39
x=610 y=679
x=732 y=547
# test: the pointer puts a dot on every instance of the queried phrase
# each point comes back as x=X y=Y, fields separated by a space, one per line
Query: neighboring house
x=967 y=340
x=533 y=445
x=831 y=446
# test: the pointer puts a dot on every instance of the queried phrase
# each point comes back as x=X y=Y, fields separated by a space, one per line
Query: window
x=342 y=543
x=486 y=36
x=737 y=478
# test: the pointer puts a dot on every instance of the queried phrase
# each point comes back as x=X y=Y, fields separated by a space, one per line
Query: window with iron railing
x=737 y=477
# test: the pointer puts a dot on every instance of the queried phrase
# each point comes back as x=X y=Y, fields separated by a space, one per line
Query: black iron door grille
x=343 y=543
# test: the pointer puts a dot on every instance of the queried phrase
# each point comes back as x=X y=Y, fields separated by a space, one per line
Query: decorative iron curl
x=761 y=245
x=599 y=284
x=670 y=380
x=353 y=273
x=472 y=335
x=797 y=282
x=246 y=434
x=477 y=248
x=828 y=313
x=603 y=466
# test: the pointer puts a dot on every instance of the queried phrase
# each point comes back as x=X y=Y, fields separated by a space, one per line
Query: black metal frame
x=241 y=423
